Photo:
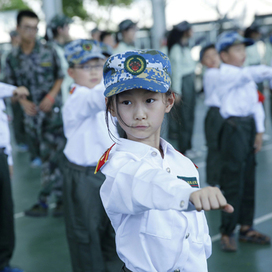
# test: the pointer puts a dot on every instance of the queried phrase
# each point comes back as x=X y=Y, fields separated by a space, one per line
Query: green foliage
x=13 y=5
x=114 y=2
x=74 y=8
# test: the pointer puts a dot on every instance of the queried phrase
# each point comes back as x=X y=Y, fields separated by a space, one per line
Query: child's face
x=236 y=55
x=130 y=34
x=142 y=112
x=211 y=58
x=88 y=74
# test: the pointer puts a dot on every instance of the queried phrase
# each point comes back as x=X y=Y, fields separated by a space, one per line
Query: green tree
x=74 y=8
x=114 y=2
x=12 y=5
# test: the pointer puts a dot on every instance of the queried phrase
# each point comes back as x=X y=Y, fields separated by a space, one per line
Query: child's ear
x=111 y=110
x=71 y=72
x=170 y=100
x=224 y=56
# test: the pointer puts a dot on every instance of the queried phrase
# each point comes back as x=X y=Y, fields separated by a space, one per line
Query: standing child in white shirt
x=209 y=58
x=151 y=192
x=240 y=137
x=89 y=232
x=7 y=236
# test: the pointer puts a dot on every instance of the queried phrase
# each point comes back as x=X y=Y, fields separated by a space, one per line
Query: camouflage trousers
x=46 y=140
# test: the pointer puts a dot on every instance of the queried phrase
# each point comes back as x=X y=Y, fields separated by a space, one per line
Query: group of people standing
x=59 y=116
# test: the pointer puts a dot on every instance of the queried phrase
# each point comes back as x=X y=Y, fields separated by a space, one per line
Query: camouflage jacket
x=37 y=71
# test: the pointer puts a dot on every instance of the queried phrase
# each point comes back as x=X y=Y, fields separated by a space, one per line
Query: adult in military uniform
x=37 y=66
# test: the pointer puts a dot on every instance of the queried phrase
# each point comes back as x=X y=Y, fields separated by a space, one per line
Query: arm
x=259 y=117
x=259 y=73
x=49 y=100
x=137 y=187
x=10 y=90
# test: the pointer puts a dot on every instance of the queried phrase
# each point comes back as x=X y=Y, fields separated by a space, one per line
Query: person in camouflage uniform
x=57 y=34
x=37 y=67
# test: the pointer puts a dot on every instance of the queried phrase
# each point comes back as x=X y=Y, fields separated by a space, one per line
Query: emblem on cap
x=87 y=47
x=135 y=64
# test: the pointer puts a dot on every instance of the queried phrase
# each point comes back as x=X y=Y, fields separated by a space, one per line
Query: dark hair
x=204 y=49
x=104 y=34
x=174 y=37
x=249 y=31
x=26 y=13
x=54 y=32
x=114 y=99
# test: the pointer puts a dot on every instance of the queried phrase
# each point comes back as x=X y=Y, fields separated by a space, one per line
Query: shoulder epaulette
x=103 y=159
x=72 y=90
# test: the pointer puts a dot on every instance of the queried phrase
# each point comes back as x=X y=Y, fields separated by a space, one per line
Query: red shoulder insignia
x=72 y=90
x=186 y=157
x=261 y=97
x=103 y=159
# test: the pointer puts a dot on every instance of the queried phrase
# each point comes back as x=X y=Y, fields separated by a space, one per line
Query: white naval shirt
x=157 y=228
x=182 y=65
x=85 y=126
x=238 y=94
x=6 y=90
x=210 y=81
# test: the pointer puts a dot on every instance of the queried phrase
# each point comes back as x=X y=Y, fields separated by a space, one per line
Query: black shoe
x=38 y=210
x=58 y=210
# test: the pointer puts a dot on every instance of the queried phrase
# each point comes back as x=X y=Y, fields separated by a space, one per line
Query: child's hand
x=21 y=92
x=210 y=198
x=258 y=142
x=28 y=107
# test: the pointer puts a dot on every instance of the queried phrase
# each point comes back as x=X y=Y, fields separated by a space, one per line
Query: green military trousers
x=90 y=235
x=213 y=125
x=237 y=179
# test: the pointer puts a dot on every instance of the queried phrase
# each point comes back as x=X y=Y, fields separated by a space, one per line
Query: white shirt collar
x=141 y=150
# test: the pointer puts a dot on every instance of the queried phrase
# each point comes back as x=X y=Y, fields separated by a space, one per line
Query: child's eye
x=126 y=102
x=150 y=100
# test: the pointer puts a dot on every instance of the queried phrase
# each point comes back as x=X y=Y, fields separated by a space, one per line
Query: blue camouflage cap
x=81 y=51
x=226 y=39
x=142 y=69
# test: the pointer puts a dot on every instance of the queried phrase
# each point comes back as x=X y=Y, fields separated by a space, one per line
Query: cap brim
x=92 y=56
x=135 y=83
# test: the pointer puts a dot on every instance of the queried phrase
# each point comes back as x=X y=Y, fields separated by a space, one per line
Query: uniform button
x=154 y=153
x=181 y=204
x=168 y=170
x=187 y=235
x=177 y=270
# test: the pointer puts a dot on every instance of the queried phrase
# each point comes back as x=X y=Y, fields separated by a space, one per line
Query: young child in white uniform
x=151 y=192
x=7 y=236
x=240 y=137
x=210 y=59
x=90 y=235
